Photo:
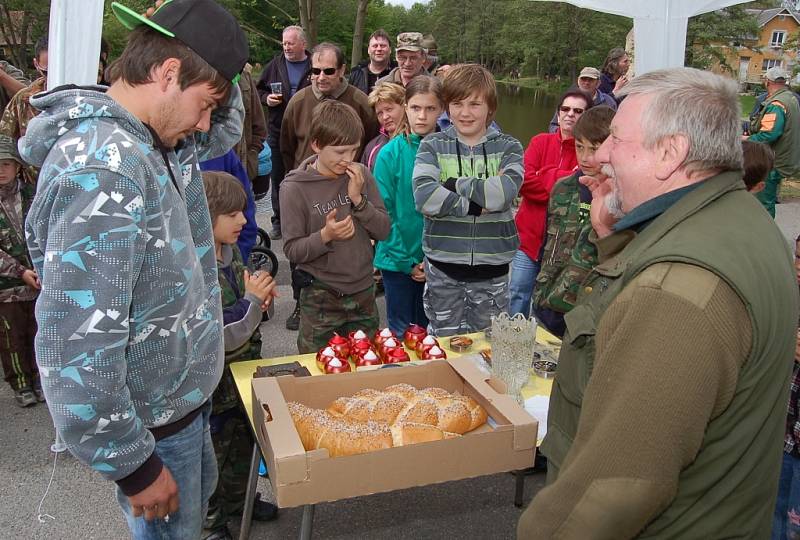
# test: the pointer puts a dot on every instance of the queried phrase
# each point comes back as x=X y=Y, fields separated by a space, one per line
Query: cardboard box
x=507 y=442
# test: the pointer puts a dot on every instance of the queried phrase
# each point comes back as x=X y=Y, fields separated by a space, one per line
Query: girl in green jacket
x=399 y=257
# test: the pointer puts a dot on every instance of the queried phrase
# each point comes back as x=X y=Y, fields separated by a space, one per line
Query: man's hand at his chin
x=602 y=220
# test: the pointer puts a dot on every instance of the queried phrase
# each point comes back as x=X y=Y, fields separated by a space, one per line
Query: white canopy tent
x=73 y=56
x=74 y=42
x=659 y=26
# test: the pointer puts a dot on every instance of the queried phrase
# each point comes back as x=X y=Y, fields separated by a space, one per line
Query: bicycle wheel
x=262 y=260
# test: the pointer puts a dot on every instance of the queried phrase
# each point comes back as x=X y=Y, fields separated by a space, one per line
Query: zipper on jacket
x=163 y=151
x=19 y=234
x=555 y=245
x=474 y=218
x=460 y=174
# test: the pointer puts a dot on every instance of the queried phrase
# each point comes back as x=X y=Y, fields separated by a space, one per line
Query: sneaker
x=25 y=397
x=221 y=533
x=263 y=510
x=293 y=322
x=275 y=233
x=263 y=205
x=38 y=392
x=214 y=519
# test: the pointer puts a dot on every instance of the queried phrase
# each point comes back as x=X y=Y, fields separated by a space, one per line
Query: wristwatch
x=360 y=206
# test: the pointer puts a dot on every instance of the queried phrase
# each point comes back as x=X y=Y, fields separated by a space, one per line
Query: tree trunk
x=309 y=20
x=358 y=33
x=16 y=44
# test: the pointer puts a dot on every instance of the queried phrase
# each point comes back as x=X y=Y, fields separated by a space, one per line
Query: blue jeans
x=786 y=520
x=520 y=287
x=403 y=301
x=189 y=456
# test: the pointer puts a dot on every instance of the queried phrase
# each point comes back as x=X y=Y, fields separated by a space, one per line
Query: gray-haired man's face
x=293 y=46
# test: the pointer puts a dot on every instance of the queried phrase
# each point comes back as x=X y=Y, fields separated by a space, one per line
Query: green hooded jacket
x=393 y=174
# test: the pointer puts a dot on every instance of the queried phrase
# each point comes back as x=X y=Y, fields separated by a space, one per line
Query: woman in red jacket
x=549 y=157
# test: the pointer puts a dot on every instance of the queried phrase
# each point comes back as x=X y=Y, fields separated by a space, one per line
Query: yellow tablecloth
x=243 y=371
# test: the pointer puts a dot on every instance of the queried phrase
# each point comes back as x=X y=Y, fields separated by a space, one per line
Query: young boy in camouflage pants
x=19 y=284
x=567 y=253
x=244 y=298
x=330 y=210
x=465 y=179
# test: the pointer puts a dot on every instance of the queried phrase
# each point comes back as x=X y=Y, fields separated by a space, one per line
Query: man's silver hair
x=698 y=104
x=299 y=30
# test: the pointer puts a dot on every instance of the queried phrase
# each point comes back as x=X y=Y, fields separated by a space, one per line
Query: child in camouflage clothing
x=567 y=254
x=330 y=210
x=19 y=284
x=244 y=298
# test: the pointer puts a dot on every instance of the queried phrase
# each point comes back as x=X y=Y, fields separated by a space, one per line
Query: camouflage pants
x=17 y=330
x=233 y=446
x=460 y=307
x=324 y=311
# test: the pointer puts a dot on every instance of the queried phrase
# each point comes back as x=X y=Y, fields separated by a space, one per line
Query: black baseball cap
x=203 y=25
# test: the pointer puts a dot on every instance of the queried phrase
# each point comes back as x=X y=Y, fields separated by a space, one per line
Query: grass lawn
x=747 y=101
x=790 y=189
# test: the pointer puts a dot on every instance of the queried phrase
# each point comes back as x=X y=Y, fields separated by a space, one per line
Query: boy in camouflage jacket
x=567 y=254
x=244 y=298
x=19 y=284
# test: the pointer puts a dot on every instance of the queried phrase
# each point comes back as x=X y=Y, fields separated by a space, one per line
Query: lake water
x=524 y=112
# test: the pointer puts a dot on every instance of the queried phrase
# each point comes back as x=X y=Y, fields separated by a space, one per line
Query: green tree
x=358 y=32
x=793 y=44
x=309 y=18
x=733 y=25
x=22 y=22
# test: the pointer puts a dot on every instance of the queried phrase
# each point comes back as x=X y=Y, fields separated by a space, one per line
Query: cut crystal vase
x=513 y=340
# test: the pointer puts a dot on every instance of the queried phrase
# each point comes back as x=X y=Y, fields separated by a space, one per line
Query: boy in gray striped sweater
x=465 y=179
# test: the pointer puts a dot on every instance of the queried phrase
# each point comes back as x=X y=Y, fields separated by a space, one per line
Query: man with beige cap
x=778 y=125
x=410 y=55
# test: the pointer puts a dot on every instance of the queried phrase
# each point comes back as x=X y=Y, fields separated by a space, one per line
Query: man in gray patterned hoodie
x=130 y=326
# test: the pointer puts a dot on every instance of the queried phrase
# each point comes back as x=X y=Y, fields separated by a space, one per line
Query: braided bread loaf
x=402 y=403
x=372 y=420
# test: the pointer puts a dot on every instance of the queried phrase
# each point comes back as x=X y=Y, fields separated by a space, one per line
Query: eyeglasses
x=577 y=110
x=326 y=71
x=408 y=59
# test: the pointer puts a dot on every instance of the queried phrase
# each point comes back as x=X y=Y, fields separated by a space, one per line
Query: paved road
x=83 y=505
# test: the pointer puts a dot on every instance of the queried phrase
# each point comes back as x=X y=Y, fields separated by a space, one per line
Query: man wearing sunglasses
x=549 y=157
x=589 y=82
x=327 y=82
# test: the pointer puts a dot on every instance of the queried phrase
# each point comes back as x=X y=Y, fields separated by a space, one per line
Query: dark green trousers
x=233 y=446
x=769 y=195
x=324 y=311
